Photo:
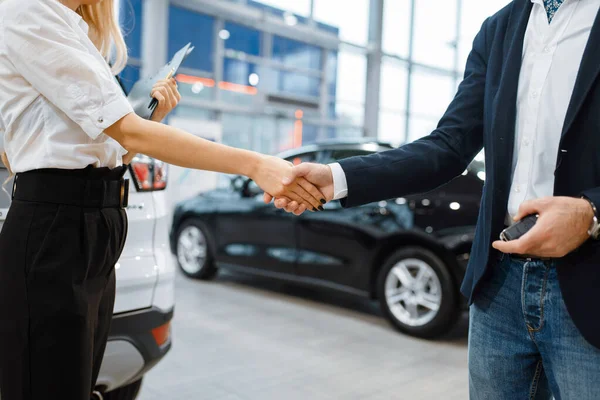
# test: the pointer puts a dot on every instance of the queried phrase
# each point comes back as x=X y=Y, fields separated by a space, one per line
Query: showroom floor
x=246 y=338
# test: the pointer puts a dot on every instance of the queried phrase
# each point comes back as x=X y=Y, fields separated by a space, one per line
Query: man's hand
x=562 y=227
x=278 y=179
x=317 y=174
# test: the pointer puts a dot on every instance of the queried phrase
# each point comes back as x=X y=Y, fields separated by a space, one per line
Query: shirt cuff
x=106 y=116
x=340 y=186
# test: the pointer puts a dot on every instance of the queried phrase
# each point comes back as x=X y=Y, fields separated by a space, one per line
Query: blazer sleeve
x=429 y=162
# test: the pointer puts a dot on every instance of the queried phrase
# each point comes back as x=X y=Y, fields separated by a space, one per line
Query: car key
x=519 y=228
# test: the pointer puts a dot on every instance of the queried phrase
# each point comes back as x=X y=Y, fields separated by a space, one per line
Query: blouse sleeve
x=54 y=58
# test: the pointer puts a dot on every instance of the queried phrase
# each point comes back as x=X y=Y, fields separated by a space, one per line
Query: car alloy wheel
x=192 y=250
x=418 y=293
x=413 y=292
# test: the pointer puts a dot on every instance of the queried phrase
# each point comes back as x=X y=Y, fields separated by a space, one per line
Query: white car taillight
x=149 y=174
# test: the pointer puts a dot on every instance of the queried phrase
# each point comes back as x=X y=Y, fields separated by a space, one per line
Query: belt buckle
x=124 y=194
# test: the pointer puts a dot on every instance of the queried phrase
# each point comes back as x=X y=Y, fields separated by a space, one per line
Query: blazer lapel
x=505 y=109
x=588 y=72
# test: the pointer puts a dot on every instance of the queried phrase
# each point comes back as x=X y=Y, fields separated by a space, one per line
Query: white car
x=140 y=334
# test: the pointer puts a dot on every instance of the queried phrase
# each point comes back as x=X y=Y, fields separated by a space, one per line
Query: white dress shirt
x=552 y=54
x=57 y=93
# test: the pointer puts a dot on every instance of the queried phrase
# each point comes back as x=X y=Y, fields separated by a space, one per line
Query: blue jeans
x=522 y=342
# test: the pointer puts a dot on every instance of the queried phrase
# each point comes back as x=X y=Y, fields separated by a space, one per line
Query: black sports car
x=409 y=253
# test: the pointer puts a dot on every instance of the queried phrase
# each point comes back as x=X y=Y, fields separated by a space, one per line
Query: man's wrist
x=340 y=185
x=592 y=216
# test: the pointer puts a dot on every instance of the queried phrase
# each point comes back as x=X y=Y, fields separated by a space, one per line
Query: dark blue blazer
x=482 y=115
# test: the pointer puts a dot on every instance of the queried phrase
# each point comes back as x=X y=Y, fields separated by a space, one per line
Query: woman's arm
x=177 y=147
x=168 y=96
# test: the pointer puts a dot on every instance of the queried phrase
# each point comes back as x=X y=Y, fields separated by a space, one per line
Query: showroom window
x=239 y=72
x=241 y=38
x=130 y=19
x=331 y=69
x=396 y=27
x=431 y=93
x=188 y=26
x=296 y=54
x=392 y=127
x=420 y=127
x=351 y=87
x=435 y=33
x=353 y=22
x=392 y=101
x=474 y=12
x=298 y=7
x=295 y=83
x=241 y=81
x=394 y=76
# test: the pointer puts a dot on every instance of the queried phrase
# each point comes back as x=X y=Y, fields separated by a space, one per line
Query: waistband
x=89 y=172
x=88 y=187
x=526 y=258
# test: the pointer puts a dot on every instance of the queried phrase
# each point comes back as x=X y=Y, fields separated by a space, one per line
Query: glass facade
x=279 y=73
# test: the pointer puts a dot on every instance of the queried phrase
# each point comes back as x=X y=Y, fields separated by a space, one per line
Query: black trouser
x=58 y=247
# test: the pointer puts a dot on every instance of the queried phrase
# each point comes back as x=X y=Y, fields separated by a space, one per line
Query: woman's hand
x=270 y=174
x=168 y=97
x=165 y=91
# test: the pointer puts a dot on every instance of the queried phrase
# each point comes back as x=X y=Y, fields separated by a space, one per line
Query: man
x=531 y=98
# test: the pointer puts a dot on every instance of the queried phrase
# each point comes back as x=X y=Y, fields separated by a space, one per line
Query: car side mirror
x=250 y=189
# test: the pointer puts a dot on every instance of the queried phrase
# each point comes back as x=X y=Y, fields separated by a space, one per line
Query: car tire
x=129 y=392
x=193 y=250
x=425 y=305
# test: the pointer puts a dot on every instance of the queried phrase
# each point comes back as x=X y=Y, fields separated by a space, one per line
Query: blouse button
x=100 y=120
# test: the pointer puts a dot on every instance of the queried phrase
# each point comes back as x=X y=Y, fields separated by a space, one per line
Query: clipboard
x=139 y=96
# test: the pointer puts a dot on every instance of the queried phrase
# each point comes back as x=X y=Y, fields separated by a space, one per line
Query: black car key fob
x=519 y=228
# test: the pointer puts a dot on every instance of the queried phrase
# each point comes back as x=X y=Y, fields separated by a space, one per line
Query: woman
x=67 y=127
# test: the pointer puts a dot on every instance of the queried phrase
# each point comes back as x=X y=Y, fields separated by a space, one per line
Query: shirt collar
x=542 y=1
x=76 y=18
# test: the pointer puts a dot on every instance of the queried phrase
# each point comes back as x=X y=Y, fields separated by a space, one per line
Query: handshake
x=295 y=189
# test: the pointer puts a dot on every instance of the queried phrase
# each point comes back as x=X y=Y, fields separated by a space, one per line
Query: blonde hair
x=105 y=32
x=106 y=35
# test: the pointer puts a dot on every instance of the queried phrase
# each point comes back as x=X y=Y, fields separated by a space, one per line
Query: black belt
x=525 y=257
x=71 y=190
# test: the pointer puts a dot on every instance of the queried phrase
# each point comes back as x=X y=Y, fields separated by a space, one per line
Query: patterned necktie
x=552 y=7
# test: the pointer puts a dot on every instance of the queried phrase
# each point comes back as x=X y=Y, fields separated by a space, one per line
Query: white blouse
x=57 y=93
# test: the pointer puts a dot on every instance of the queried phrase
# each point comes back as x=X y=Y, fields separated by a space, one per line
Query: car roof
x=368 y=144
